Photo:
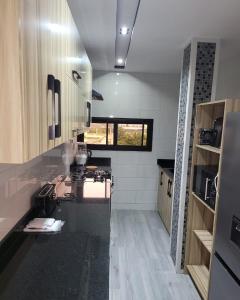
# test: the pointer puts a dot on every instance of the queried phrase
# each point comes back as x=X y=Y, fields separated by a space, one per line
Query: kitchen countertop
x=70 y=265
x=167 y=165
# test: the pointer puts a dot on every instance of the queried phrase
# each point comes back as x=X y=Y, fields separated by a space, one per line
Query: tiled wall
x=196 y=87
x=139 y=95
x=19 y=182
x=205 y=64
x=183 y=97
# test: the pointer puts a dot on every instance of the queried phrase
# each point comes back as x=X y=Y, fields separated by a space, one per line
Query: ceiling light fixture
x=126 y=14
x=120 y=61
x=124 y=30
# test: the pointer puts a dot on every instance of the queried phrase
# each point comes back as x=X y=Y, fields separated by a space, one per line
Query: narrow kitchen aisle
x=140 y=265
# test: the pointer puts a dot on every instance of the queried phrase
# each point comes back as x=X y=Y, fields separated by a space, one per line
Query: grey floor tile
x=140 y=265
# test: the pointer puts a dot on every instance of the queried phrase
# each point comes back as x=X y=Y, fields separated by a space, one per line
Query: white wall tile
x=147 y=96
x=139 y=95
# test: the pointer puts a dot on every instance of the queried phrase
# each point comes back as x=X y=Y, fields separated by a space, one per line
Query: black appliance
x=225 y=274
x=218 y=124
x=44 y=200
x=204 y=182
x=207 y=136
x=212 y=136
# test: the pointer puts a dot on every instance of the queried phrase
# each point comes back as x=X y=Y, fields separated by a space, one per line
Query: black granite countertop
x=70 y=265
x=167 y=165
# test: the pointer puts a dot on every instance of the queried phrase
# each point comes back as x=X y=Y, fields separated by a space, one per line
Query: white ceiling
x=162 y=29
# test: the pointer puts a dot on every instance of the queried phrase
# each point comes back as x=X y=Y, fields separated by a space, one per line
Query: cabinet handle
x=88 y=123
x=58 y=119
x=170 y=186
x=50 y=86
x=161 y=183
x=206 y=189
x=76 y=76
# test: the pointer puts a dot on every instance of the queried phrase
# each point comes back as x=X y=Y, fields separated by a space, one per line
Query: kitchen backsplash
x=19 y=182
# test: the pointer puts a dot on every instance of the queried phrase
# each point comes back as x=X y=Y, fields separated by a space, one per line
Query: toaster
x=44 y=200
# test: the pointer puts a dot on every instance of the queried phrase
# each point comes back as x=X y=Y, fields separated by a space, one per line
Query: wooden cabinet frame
x=201 y=223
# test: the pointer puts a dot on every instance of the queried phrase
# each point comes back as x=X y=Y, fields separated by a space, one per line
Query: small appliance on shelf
x=204 y=183
x=212 y=136
x=81 y=153
x=44 y=200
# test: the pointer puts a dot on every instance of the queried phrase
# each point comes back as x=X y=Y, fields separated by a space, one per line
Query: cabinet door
x=73 y=106
x=30 y=78
x=164 y=199
x=48 y=30
x=168 y=205
x=10 y=87
x=160 y=192
x=19 y=92
x=162 y=196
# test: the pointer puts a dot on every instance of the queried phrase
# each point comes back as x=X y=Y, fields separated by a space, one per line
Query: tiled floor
x=140 y=267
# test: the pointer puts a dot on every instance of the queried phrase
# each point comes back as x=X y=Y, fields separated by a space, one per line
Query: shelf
x=213 y=103
x=200 y=276
x=205 y=238
x=203 y=203
x=209 y=148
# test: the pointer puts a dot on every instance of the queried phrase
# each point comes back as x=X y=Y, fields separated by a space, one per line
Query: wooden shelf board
x=209 y=148
x=200 y=276
x=213 y=102
x=205 y=238
x=203 y=203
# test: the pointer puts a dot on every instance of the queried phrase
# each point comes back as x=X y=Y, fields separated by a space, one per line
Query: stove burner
x=69 y=196
x=78 y=177
x=79 y=174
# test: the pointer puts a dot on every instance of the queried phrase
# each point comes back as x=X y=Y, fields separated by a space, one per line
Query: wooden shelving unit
x=203 y=203
x=201 y=221
x=209 y=148
x=206 y=238
x=200 y=275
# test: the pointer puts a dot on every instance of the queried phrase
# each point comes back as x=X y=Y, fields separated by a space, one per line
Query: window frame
x=115 y=122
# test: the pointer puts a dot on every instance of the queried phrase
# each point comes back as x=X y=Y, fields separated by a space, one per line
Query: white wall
x=139 y=95
x=228 y=84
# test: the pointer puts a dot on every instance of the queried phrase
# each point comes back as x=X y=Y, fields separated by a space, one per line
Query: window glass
x=123 y=134
x=110 y=134
x=129 y=134
x=96 y=134
x=145 y=135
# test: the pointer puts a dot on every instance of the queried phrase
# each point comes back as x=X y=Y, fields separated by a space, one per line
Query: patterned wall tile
x=179 y=148
x=202 y=92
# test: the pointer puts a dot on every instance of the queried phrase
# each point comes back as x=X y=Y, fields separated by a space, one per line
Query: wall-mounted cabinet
x=40 y=39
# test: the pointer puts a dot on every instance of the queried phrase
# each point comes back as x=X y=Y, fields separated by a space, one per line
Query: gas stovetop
x=80 y=174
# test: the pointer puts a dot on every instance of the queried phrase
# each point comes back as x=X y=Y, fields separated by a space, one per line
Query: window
x=119 y=134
